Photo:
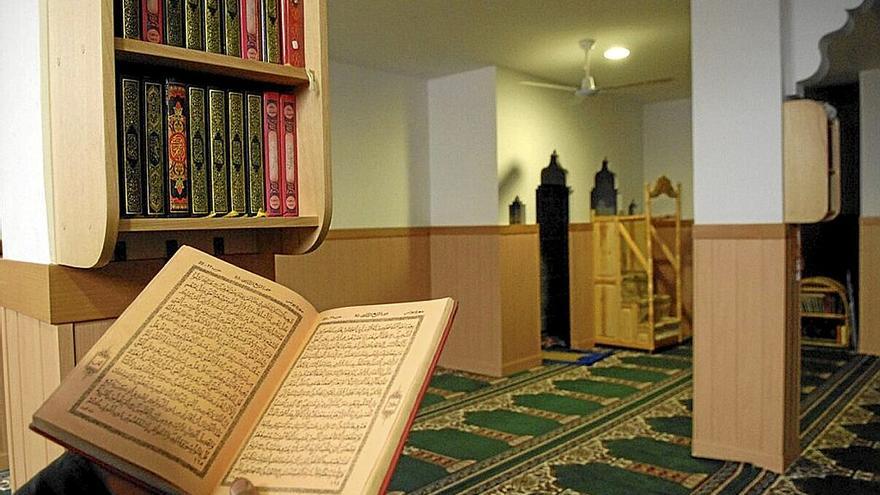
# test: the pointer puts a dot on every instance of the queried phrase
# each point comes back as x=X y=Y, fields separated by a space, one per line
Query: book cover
x=174 y=32
x=237 y=167
x=151 y=21
x=176 y=113
x=217 y=154
x=198 y=170
x=251 y=32
x=256 y=173
x=232 y=27
x=213 y=26
x=272 y=152
x=154 y=146
x=271 y=20
x=130 y=157
x=193 y=24
x=129 y=23
x=289 y=181
x=293 y=32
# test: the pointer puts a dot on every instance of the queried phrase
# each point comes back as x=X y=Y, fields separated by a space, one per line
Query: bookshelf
x=825 y=313
x=82 y=54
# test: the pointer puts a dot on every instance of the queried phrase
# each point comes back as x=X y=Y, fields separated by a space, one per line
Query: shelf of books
x=206 y=117
x=825 y=312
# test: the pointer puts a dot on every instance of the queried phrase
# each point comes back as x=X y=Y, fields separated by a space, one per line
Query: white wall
x=737 y=111
x=532 y=122
x=24 y=213
x=869 y=102
x=379 y=140
x=667 y=150
x=462 y=150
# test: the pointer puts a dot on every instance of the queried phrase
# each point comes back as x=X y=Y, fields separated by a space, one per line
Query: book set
x=197 y=150
x=267 y=30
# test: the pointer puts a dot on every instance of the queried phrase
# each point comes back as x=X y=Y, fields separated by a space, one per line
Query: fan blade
x=636 y=84
x=537 y=84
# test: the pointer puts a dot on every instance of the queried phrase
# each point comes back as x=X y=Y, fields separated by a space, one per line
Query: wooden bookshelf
x=214 y=223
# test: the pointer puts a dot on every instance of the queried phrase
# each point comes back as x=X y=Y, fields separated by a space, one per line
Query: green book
x=232 y=27
x=174 y=35
x=272 y=33
x=154 y=144
x=131 y=163
x=198 y=170
x=218 y=171
x=193 y=24
x=254 y=133
x=213 y=22
x=237 y=167
x=130 y=19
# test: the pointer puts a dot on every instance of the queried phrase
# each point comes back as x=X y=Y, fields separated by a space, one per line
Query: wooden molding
x=486 y=230
x=378 y=233
x=743 y=231
x=869 y=221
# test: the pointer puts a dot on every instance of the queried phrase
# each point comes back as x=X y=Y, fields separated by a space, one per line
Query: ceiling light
x=616 y=53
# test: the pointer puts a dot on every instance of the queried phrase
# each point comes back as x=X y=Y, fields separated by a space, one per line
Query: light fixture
x=616 y=53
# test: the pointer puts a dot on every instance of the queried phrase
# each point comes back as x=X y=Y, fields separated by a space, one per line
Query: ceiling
x=431 y=38
x=859 y=49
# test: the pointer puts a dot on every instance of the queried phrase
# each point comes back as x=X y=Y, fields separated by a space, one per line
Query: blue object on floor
x=593 y=358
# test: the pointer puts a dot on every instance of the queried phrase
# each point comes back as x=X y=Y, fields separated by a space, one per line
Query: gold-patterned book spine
x=219 y=170
x=130 y=18
x=254 y=133
x=213 y=24
x=237 y=167
x=174 y=34
x=130 y=156
x=154 y=144
x=193 y=24
x=272 y=31
x=176 y=116
x=198 y=170
x=232 y=27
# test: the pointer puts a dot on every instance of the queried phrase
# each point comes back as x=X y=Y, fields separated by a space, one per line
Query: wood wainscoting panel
x=580 y=275
x=869 y=285
x=87 y=334
x=746 y=351
x=520 y=302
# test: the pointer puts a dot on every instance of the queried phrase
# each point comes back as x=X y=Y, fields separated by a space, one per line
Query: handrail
x=632 y=245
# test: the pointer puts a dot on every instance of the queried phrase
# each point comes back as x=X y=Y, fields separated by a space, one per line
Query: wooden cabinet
x=81 y=147
x=811 y=162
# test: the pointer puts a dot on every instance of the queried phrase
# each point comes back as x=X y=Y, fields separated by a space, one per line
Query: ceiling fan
x=588 y=85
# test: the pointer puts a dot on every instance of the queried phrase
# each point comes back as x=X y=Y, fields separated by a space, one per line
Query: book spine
x=154 y=144
x=232 y=27
x=176 y=114
x=251 y=44
x=271 y=141
x=293 y=32
x=198 y=171
x=254 y=132
x=174 y=34
x=289 y=172
x=151 y=21
x=237 y=167
x=213 y=24
x=131 y=158
x=193 y=22
x=271 y=21
x=130 y=18
x=219 y=171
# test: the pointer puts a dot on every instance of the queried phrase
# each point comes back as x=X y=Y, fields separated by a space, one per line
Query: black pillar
x=552 y=213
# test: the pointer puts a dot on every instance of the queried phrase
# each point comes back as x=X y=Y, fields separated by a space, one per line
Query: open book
x=214 y=373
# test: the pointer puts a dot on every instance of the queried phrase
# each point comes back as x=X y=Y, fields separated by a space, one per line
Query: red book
x=152 y=21
x=251 y=37
x=177 y=114
x=293 y=33
x=289 y=182
x=272 y=153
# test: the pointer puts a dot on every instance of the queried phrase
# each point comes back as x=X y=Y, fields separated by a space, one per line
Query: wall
x=667 y=150
x=379 y=139
x=532 y=122
x=869 y=97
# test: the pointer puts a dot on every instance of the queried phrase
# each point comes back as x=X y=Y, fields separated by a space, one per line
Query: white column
x=869 y=98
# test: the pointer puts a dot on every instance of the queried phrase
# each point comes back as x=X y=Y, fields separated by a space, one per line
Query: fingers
x=242 y=486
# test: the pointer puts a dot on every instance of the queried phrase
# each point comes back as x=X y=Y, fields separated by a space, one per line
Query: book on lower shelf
x=214 y=373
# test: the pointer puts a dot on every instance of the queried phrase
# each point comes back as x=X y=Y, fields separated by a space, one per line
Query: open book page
x=177 y=382
x=337 y=420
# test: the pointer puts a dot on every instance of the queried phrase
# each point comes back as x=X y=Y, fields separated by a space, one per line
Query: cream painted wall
x=379 y=148
x=667 y=150
x=532 y=122
x=869 y=101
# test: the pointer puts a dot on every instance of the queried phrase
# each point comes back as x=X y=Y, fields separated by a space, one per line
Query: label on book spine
x=289 y=189
x=219 y=171
x=174 y=22
x=193 y=21
x=237 y=167
x=232 y=27
x=251 y=32
x=178 y=170
x=130 y=18
x=151 y=21
x=272 y=153
x=213 y=22
x=271 y=31
x=254 y=133
x=131 y=160
x=198 y=171
x=293 y=32
x=155 y=148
